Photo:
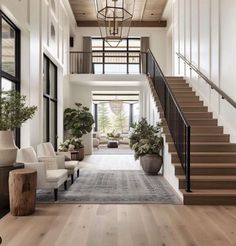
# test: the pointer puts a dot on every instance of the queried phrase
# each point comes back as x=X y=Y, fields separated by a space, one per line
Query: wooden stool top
x=23 y=171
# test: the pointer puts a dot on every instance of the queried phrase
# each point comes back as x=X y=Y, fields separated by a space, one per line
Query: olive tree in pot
x=13 y=113
x=78 y=122
x=147 y=143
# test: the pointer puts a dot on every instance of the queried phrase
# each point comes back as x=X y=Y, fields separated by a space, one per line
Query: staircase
x=213 y=157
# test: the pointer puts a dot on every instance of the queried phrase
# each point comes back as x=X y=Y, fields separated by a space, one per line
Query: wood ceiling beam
x=143 y=10
x=133 y=23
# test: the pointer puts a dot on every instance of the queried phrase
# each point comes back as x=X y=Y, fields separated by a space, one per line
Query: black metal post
x=95 y=117
x=131 y=110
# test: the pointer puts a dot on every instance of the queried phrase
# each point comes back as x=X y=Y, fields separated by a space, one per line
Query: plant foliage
x=71 y=144
x=13 y=110
x=146 y=139
x=78 y=121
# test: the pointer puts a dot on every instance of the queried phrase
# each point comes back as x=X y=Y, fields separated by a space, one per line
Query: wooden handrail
x=213 y=86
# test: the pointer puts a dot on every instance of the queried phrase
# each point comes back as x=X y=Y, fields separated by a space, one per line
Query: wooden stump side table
x=22 y=189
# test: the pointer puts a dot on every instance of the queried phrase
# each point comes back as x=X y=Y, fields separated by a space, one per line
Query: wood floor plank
x=122 y=225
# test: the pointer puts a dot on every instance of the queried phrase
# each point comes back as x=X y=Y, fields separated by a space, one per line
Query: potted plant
x=77 y=122
x=147 y=143
x=13 y=113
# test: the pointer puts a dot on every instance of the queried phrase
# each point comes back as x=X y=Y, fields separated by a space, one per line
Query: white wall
x=204 y=31
x=157 y=40
x=34 y=19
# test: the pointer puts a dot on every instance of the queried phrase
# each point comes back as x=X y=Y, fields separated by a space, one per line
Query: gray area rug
x=121 y=187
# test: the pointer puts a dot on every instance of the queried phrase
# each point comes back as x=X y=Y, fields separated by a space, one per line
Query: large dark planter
x=151 y=164
x=81 y=154
x=4 y=190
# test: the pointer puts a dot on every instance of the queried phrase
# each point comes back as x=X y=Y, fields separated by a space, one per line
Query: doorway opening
x=114 y=114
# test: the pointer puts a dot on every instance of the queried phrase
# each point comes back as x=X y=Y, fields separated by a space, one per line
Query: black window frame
x=50 y=99
x=17 y=78
x=105 y=49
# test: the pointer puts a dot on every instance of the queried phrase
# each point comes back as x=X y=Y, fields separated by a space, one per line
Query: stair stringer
x=168 y=167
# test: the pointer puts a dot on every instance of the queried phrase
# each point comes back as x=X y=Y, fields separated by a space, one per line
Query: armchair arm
x=60 y=161
x=50 y=162
x=64 y=153
x=53 y=162
x=41 y=172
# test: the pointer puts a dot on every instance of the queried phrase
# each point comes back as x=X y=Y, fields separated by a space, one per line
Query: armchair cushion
x=56 y=175
x=71 y=164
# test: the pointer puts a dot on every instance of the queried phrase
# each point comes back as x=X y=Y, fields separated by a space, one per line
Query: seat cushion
x=56 y=175
x=71 y=164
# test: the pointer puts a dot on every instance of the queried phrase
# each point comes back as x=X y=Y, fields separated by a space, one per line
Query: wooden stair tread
x=209 y=153
x=210 y=143
x=210 y=192
x=210 y=177
x=209 y=165
x=206 y=134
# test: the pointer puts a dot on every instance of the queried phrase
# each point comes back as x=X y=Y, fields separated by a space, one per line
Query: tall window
x=10 y=59
x=123 y=59
x=50 y=102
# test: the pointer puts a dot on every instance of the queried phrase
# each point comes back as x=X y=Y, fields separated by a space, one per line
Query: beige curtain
x=144 y=49
x=87 y=55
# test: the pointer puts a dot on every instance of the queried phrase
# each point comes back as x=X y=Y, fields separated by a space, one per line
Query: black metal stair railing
x=177 y=123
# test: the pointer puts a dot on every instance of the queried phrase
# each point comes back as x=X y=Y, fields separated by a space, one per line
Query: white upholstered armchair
x=49 y=176
x=46 y=150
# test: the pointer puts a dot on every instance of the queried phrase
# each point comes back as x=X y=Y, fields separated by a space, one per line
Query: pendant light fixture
x=114 y=19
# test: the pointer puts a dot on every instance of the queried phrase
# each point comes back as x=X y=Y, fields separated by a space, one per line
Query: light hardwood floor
x=122 y=225
x=110 y=162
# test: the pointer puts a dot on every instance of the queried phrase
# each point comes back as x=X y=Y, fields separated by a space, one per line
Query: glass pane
x=134 y=58
x=97 y=44
x=53 y=115
x=115 y=69
x=98 y=68
x=135 y=112
x=8 y=48
x=45 y=119
x=7 y=85
x=134 y=44
x=52 y=74
x=116 y=57
x=45 y=74
x=134 y=69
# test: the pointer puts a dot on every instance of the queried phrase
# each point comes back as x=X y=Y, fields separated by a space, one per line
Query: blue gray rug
x=121 y=187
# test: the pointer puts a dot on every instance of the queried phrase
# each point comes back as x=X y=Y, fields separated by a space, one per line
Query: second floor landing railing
x=107 y=62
